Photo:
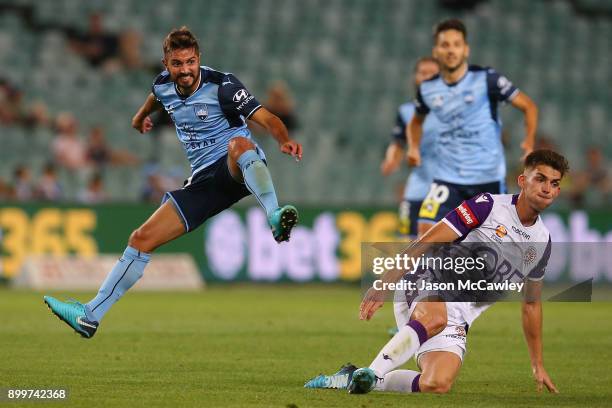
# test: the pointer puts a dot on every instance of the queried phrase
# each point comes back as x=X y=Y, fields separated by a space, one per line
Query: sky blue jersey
x=419 y=181
x=207 y=119
x=469 y=149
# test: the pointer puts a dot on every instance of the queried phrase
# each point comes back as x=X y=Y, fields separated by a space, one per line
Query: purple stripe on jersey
x=514 y=198
x=419 y=329
x=415 y=384
x=471 y=213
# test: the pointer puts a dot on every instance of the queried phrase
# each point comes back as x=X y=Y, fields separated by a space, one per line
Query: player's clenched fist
x=142 y=125
x=414 y=157
x=292 y=148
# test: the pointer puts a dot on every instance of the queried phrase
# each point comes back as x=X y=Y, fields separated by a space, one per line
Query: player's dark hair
x=424 y=59
x=180 y=39
x=547 y=158
x=450 y=24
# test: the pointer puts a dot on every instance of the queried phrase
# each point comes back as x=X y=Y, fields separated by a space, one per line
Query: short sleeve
x=162 y=78
x=235 y=99
x=470 y=214
x=420 y=105
x=499 y=87
x=398 y=133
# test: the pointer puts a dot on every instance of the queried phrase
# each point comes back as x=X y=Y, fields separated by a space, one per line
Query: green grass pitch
x=255 y=346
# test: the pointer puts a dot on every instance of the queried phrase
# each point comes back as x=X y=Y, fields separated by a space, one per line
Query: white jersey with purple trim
x=519 y=252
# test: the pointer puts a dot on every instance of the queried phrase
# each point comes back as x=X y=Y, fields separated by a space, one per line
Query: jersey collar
x=467 y=71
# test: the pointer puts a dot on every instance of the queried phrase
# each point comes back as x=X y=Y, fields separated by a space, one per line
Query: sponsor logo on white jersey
x=466 y=215
x=521 y=232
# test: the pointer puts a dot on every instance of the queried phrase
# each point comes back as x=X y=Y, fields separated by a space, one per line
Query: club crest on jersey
x=201 y=111
x=530 y=255
x=468 y=96
x=437 y=101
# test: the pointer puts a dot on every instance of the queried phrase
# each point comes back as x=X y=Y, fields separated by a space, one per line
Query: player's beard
x=453 y=68
x=186 y=88
x=193 y=80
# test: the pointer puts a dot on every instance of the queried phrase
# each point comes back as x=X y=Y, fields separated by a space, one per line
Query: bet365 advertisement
x=237 y=245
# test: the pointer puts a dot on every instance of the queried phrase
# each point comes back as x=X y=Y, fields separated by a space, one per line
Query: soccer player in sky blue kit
x=434 y=331
x=209 y=109
x=420 y=178
x=464 y=98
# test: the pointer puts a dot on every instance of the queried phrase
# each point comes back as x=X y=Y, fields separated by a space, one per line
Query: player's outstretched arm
x=141 y=121
x=279 y=132
x=414 y=131
x=374 y=299
x=532 y=327
x=530 y=110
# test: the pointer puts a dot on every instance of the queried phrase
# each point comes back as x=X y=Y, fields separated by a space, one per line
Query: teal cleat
x=340 y=380
x=73 y=314
x=282 y=220
x=364 y=380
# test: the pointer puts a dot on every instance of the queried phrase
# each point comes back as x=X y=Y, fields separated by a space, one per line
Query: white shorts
x=454 y=336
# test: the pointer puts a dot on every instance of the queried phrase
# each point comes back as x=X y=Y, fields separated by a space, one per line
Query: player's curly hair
x=547 y=158
x=450 y=24
x=179 y=39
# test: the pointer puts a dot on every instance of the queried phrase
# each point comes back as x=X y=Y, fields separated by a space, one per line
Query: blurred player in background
x=464 y=98
x=209 y=109
x=420 y=178
x=435 y=331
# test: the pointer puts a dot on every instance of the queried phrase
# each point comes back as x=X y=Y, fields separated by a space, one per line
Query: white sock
x=400 y=348
x=400 y=381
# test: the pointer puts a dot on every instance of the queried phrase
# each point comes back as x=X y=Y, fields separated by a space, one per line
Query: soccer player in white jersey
x=435 y=331
x=465 y=99
x=209 y=109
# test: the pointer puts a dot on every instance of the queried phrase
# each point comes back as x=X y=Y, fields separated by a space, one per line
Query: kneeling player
x=435 y=332
x=209 y=109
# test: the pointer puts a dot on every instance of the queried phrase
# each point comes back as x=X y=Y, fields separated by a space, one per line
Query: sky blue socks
x=257 y=179
x=124 y=275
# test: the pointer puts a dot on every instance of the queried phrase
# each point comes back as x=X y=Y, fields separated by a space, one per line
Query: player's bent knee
x=435 y=385
x=140 y=240
x=239 y=145
x=437 y=323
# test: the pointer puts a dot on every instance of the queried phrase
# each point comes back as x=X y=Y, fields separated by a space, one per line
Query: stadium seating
x=348 y=64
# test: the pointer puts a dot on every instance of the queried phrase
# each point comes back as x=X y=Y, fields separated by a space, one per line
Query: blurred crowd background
x=74 y=72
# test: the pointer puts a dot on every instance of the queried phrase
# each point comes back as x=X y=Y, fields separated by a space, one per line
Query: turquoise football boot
x=73 y=314
x=363 y=381
x=340 y=380
x=282 y=220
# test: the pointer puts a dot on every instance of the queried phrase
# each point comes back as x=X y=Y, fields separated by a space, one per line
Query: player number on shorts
x=438 y=194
